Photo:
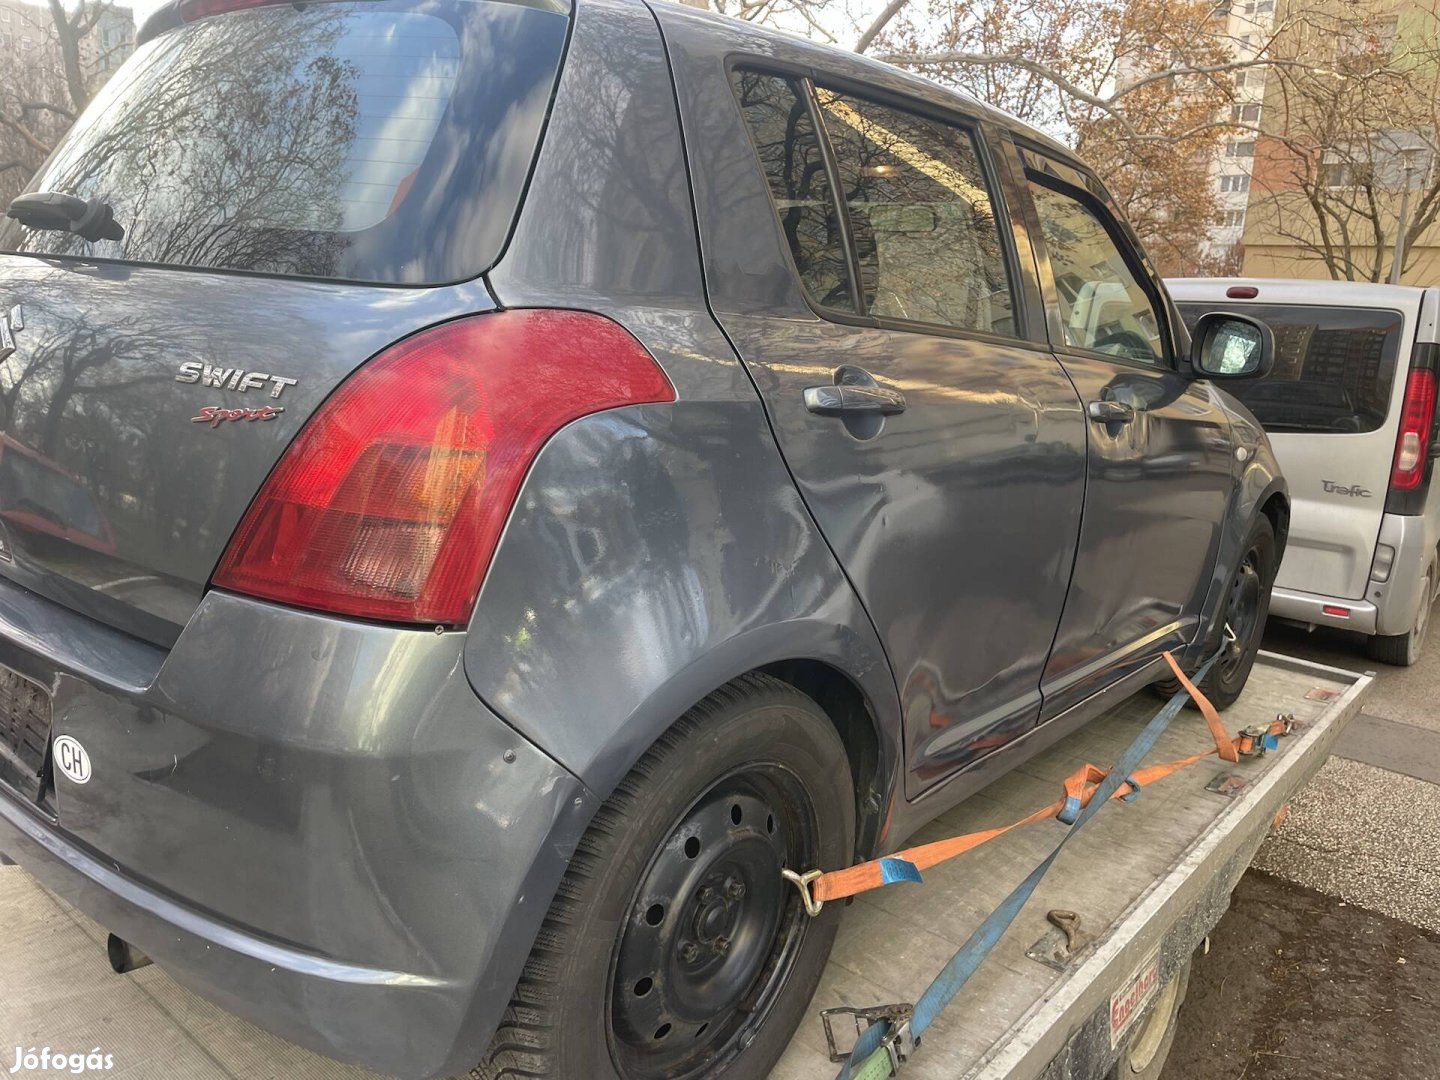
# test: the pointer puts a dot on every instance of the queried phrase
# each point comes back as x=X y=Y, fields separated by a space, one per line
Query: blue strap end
x=1133 y=793
x=893 y=870
x=1070 y=811
x=1270 y=742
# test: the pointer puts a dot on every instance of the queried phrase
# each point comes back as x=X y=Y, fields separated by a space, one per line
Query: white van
x=1350 y=409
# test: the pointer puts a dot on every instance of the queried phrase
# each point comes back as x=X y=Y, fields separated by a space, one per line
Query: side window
x=922 y=218
x=1102 y=305
x=784 y=136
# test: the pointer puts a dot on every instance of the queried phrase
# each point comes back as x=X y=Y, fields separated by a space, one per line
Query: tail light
x=1412 y=446
x=389 y=503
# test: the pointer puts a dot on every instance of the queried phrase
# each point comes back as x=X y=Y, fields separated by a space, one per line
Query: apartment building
x=1247 y=29
x=1345 y=160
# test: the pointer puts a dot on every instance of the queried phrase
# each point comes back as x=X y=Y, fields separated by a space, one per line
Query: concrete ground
x=1358 y=861
x=1326 y=965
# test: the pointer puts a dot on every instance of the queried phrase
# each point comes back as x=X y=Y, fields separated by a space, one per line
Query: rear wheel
x=1144 y=1055
x=674 y=948
x=1403 y=650
x=1242 y=624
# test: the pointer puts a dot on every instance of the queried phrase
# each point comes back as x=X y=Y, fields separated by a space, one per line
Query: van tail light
x=389 y=503
x=1412 y=446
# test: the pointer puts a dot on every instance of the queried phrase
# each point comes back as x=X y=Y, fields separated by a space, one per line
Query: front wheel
x=1242 y=623
x=674 y=948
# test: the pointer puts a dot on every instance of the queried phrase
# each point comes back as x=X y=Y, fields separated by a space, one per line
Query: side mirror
x=1225 y=345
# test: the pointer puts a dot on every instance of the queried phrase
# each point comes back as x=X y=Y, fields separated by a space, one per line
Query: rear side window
x=370 y=142
x=924 y=243
x=1334 y=367
x=923 y=220
x=784 y=136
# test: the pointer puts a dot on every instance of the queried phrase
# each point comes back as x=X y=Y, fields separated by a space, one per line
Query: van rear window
x=385 y=142
x=1334 y=367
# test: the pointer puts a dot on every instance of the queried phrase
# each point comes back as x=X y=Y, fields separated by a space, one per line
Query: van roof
x=1302 y=290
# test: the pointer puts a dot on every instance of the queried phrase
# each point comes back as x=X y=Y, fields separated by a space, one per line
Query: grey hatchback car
x=486 y=485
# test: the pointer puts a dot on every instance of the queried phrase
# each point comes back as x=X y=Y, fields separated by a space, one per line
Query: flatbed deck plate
x=1127 y=875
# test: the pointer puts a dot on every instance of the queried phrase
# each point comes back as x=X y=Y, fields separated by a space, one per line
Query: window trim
x=1129 y=252
x=810 y=77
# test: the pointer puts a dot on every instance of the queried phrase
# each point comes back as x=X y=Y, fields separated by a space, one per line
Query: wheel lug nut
x=735 y=889
x=721 y=945
x=689 y=952
x=707 y=894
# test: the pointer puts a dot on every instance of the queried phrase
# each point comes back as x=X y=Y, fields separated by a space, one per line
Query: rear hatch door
x=298 y=185
x=1331 y=407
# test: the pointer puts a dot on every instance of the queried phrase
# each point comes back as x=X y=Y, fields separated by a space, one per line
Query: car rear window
x=1334 y=367
x=385 y=142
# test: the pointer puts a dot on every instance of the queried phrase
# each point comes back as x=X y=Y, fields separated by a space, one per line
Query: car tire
x=1247 y=607
x=1143 y=1057
x=1403 y=650
x=673 y=947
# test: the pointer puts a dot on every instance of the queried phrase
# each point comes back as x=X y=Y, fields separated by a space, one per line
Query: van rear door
x=1331 y=407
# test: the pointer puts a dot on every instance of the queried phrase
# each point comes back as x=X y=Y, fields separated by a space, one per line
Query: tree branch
x=1045 y=71
x=881 y=21
x=30 y=138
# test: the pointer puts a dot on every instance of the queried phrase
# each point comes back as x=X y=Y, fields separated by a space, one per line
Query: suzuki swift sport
x=486 y=485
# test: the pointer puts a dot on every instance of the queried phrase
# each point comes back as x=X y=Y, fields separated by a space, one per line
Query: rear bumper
x=311 y=822
x=1309 y=608
x=1389 y=606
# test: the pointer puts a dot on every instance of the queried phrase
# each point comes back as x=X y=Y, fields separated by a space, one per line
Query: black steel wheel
x=1241 y=623
x=714 y=929
x=674 y=948
x=1247 y=605
x=1244 y=624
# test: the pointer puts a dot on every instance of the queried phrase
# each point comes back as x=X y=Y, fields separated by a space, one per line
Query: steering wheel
x=1125 y=342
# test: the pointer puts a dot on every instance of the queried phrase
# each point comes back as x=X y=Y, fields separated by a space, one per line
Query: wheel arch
x=850 y=712
x=1277 y=508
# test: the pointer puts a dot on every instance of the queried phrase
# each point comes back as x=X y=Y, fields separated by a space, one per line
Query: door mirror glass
x=1229 y=346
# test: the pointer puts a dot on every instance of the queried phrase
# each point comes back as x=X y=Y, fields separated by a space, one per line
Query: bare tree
x=1352 y=143
x=44 y=88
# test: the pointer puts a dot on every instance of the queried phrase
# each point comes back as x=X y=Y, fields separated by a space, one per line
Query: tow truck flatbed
x=1148 y=879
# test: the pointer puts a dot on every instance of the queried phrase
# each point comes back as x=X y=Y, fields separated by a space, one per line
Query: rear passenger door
x=1160 y=464
x=874 y=297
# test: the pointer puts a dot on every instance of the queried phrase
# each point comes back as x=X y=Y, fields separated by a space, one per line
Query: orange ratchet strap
x=817 y=887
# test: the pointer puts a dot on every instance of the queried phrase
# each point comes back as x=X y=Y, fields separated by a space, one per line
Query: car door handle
x=853 y=400
x=1111 y=412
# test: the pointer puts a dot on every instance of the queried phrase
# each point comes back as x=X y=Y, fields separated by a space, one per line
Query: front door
x=941 y=455
x=1160 y=463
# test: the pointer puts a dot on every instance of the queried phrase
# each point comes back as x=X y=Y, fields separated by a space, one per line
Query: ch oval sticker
x=71 y=759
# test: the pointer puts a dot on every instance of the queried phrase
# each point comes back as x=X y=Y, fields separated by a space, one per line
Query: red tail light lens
x=1412 y=446
x=389 y=503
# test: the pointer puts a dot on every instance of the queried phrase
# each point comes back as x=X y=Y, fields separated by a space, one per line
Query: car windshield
x=362 y=141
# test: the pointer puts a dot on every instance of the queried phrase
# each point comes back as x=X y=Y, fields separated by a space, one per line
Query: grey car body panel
x=991 y=439
x=613 y=607
x=96 y=364
x=1156 y=494
x=364 y=851
x=708 y=562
